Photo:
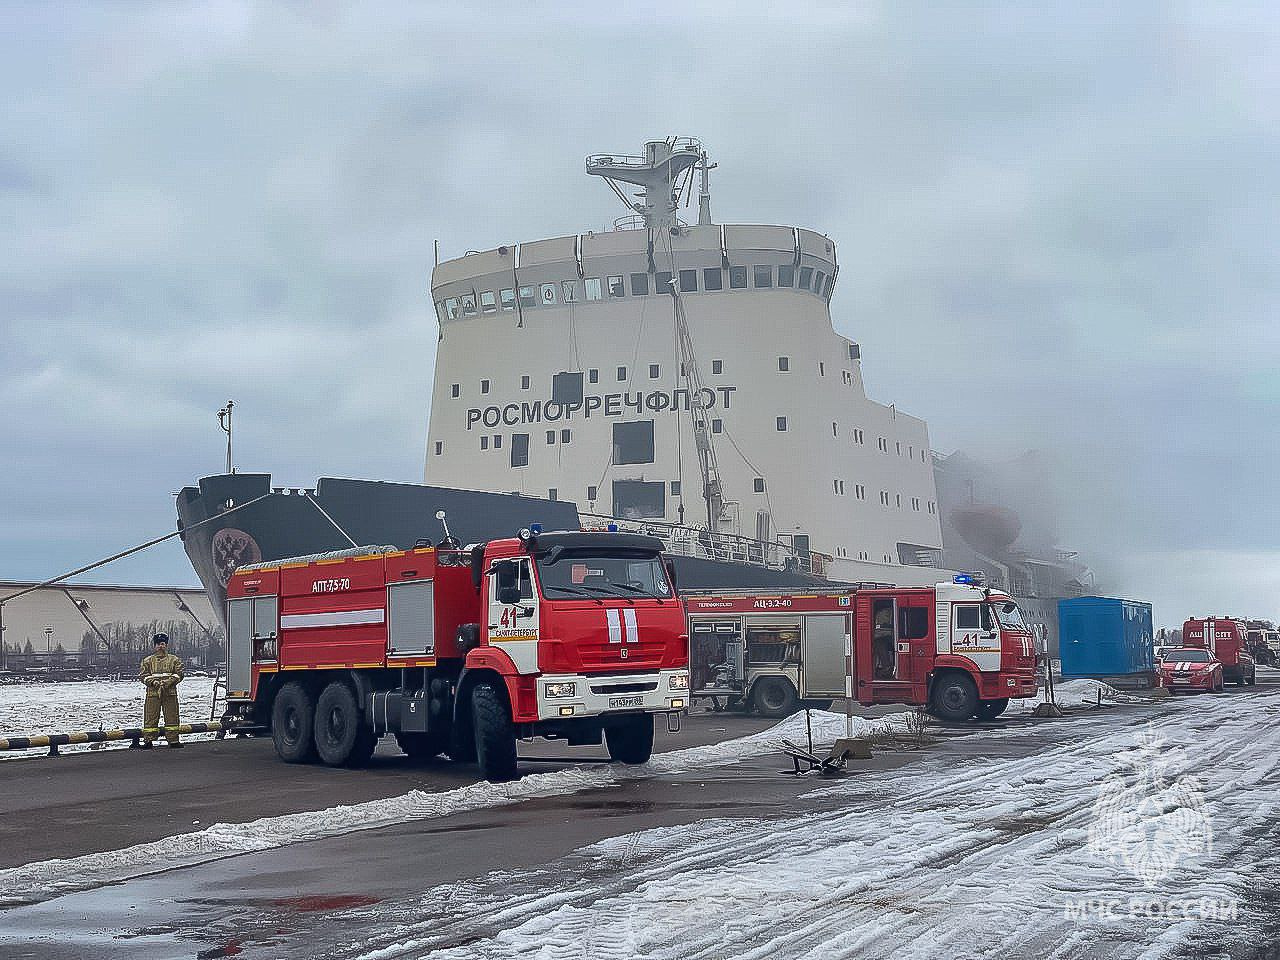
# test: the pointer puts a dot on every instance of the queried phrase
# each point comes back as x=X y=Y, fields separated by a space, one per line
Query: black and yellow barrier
x=55 y=740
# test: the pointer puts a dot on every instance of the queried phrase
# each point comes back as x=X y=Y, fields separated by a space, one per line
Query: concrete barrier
x=55 y=740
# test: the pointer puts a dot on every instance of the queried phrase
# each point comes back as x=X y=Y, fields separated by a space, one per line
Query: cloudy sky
x=1057 y=225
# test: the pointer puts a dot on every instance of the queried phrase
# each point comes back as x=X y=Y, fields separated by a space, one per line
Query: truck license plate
x=621 y=703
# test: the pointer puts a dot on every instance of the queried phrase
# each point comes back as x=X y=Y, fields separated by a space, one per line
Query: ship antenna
x=704 y=195
x=660 y=174
x=224 y=421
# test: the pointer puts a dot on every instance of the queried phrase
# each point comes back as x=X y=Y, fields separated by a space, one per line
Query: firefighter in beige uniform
x=161 y=672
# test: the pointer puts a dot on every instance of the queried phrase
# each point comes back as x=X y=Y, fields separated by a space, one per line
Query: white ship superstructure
x=685 y=374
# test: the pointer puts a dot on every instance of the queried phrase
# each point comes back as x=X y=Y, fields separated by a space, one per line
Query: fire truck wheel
x=990 y=709
x=422 y=746
x=631 y=740
x=774 y=697
x=292 y=724
x=495 y=736
x=341 y=736
x=955 y=698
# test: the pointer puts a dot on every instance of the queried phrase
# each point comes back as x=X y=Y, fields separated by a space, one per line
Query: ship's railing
x=684 y=541
x=632 y=221
x=626 y=161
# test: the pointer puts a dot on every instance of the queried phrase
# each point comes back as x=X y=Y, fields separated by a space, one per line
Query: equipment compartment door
x=239 y=645
x=411 y=612
x=822 y=659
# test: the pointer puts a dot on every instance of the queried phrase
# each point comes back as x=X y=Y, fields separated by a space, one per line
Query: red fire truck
x=568 y=635
x=1226 y=637
x=958 y=648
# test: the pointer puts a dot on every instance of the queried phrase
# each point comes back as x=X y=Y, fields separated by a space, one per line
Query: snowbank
x=1073 y=693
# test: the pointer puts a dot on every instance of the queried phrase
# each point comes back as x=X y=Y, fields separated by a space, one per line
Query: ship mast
x=665 y=177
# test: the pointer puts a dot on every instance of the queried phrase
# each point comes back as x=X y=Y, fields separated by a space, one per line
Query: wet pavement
x=309 y=898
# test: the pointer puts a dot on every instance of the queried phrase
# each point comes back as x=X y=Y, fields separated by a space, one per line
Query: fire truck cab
x=958 y=648
x=1228 y=639
x=568 y=635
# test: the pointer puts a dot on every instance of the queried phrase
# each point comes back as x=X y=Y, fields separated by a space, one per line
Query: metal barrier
x=55 y=740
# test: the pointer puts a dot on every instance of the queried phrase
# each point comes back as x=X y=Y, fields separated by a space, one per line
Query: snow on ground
x=43 y=880
x=985 y=855
x=76 y=706
x=1073 y=693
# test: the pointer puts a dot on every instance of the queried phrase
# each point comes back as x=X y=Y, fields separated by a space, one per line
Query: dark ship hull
x=233 y=519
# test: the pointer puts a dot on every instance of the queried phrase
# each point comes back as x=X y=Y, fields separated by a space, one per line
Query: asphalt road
x=322 y=896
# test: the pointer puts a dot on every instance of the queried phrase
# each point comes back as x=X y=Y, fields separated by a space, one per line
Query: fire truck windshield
x=576 y=573
x=1008 y=614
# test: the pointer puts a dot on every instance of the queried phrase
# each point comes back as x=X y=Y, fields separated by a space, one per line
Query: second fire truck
x=576 y=636
x=960 y=649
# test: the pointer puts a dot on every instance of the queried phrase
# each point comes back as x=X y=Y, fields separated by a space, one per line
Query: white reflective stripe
x=615 y=626
x=338 y=618
x=632 y=633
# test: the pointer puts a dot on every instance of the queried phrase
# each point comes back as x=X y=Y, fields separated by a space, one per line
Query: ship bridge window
x=831 y=282
x=508 y=298
x=737 y=278
x=469 y=305
x=712 y=279
x=548 y=293
x=786 y=275
x=817 y=283
x=639 y=284
x=806 y=274
x=593 y=289
x=451 y=308
x=688 y=281
x=566 y=388
x=615 y=287
x=763 y=275
x=639 y=499
x=519 y=449
x=570 y=290
x=633 y=442
x=488 y=302
x=662 y=282
x=527 y=298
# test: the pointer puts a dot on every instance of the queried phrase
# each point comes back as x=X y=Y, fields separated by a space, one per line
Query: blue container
x=1104 y=637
